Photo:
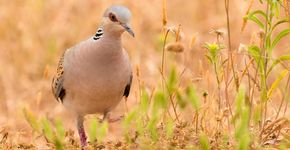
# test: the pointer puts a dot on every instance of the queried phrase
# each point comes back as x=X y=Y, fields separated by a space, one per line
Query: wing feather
x=57 y=81
x=128 y=87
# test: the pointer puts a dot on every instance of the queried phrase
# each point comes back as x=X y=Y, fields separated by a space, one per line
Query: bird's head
x=116 y=20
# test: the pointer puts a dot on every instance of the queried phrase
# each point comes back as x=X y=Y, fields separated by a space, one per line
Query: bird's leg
x=126 y=106
x=106 y=114
x=81 y=130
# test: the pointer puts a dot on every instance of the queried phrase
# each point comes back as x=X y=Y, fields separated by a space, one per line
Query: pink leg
x=81 y=130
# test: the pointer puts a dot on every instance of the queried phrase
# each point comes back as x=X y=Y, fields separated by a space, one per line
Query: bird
x=93 y=76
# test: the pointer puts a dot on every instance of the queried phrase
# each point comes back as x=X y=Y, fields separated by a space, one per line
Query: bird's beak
x=128 y=29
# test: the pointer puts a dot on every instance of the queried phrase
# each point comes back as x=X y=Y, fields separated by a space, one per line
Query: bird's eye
x=113 y=17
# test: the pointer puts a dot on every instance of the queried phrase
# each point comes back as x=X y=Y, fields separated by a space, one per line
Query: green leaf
x=276 y=8
x=93 y=130
x=277 y=61
x=169 y=126
x=242 y=133
x=255 y=52
x=172 y=80
x=160 y=102
x=242 y=118
x=268 y=42
x=97 y=131
x=204 y=142
x=140 y=126
x=277 y=82
x=57 y=138
x=287 y=20
x=252 y=16
x=257 y=113
x=181 y=100
x=244 y=142
x=60 y=130
x=47 y=130
x=130 y=118
x=144 y=102
x=240 y=100
x=257 y=21
x=278 y=38
x=213 y=50
x=259 y=12
x=102 y=131
x=209 y=59
x=192 y=97
x=31 y=119
x=152 y=127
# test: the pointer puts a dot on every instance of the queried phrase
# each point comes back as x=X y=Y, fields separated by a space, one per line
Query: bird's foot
x=111 y=120
x=107 y=116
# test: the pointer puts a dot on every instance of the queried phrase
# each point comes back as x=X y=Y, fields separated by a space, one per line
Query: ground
x=195 y=88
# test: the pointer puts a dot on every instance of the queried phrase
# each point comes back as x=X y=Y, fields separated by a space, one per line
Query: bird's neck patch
x=99 y=34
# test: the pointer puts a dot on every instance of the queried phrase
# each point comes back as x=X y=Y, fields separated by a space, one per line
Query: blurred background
x=34 y=33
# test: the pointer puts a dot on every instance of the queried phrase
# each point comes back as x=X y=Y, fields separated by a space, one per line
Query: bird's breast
x=97 y=85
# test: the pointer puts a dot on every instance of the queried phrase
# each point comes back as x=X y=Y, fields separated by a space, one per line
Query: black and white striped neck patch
x=99 y=34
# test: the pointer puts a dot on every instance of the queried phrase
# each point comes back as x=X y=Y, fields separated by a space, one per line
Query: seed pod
x=175 y=47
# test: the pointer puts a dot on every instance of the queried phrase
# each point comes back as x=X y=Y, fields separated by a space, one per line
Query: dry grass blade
x=274 y=127
x=277 y=82
x=164 y=13
x=192 y=41
x=191 y=105
x=246 y=69
x=4 y=136
x=286 y=8
x=274 y=123
x=247 y=12
x=46 y=72
x=177 y=38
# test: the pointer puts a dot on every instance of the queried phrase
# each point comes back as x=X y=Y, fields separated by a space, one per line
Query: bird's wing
x=57 y=81
x=128 y=87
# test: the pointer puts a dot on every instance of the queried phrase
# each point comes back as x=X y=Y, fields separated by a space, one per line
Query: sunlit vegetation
x=223 y=87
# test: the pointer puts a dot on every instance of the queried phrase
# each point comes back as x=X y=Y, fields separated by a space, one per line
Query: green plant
x=268 y=21
x=53 y=133
x=241 y=119
x=213 y=57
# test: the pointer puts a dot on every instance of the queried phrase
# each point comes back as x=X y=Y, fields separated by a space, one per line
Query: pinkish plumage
x=93 y=76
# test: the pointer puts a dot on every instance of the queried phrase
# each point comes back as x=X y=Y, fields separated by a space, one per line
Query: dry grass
x=211 y=104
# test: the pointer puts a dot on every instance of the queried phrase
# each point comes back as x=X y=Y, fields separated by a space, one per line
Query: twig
x=171 y=99
x=227 y=2
x=230 y=57
x=247 y=12
x=264 y=50
x=163 y=57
